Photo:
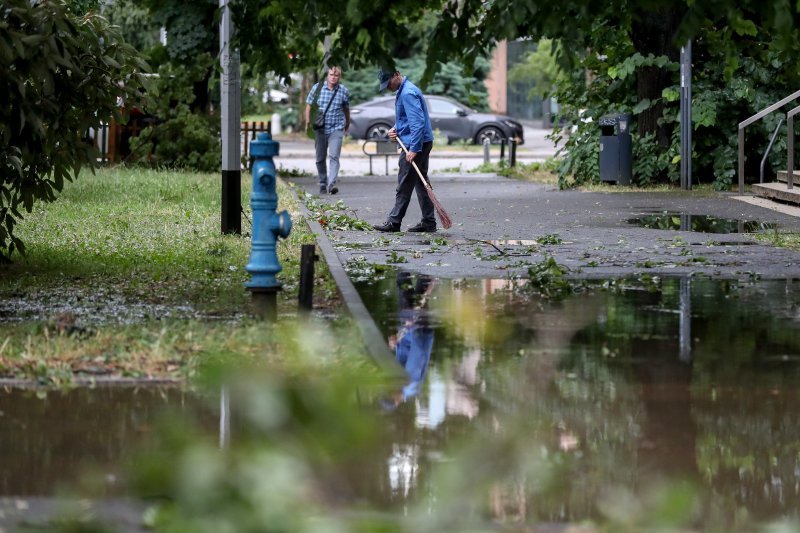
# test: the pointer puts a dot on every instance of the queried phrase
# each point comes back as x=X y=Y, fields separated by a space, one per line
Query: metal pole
x=230 y=107
x=685 y=321
x=790 y=152
x=689 y=114
x=224 y=418
x=512 y=152
x=769 y=147
x=686 y=116
x=486 y=156
x=683 y=116
x=740 y=153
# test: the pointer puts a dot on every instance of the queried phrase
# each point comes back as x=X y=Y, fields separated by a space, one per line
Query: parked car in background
x=373 y=119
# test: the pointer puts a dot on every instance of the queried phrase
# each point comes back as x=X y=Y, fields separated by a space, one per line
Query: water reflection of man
x=414 y=339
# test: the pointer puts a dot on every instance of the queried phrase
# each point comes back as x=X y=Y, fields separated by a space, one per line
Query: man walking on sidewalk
x=413 y=126
x=333 y=101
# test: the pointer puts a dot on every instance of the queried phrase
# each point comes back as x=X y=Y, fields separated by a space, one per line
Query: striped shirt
x=334 y=118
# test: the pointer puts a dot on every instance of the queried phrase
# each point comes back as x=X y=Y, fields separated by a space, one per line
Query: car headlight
x=510 y=124
x=355 y=111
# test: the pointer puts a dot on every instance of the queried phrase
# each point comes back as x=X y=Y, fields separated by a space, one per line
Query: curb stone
x=374 y=341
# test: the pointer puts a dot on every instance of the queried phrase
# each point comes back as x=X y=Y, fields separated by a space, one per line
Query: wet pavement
x=593 y=235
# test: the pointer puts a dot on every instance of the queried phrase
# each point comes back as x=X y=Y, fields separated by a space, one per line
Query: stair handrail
x=768 y=150
x=790 y=145
x=758 y=116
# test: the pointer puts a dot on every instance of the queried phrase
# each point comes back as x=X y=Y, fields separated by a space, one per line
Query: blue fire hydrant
x=268 y=225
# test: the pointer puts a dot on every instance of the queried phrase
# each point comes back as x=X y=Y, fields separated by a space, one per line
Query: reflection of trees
x=578 y=396
x=748 y=448
x=581 y=415
x=46 y=440
x=727 y=417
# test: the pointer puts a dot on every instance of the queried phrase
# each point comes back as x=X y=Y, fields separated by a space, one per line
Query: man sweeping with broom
x=413 y=131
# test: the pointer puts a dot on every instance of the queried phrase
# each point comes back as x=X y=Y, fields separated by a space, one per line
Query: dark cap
x=384 y=75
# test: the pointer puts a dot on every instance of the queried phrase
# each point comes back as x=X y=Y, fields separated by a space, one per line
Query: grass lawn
x=127 y=274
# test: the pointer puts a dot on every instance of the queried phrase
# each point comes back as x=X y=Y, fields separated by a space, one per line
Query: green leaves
x=671 y=94
x=641 y=106
x=743 y=26
x=630 y=65
x=59 y=77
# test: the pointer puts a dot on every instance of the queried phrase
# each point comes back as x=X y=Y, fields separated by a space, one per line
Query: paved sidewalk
x=497 y=222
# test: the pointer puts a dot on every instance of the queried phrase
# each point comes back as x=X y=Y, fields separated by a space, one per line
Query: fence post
x=306 y=293
x=512 y=152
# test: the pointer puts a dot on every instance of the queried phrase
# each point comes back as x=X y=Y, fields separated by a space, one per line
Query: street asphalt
x=502 y=227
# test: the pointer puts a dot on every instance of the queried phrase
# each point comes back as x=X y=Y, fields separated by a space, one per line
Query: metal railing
x=758 y=116
x=248 y=131
x=768 y=150
x=790 y=146
x=107 y=137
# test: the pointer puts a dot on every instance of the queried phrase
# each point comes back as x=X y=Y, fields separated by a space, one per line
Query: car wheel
x=490 y=132
x=378 y=131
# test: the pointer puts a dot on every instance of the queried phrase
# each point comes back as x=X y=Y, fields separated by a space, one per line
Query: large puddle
x=622 y=384
x=699 y=223
x=555 y=408
x=50 y=439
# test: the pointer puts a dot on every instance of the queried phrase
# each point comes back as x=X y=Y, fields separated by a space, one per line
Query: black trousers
x=407 y=182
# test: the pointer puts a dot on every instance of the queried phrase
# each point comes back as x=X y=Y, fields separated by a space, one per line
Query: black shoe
x=423 y=227
x=333 y=190
x=322 y=189
x=387 y=226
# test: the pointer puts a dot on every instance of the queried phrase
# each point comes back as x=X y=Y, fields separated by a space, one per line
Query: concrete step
x=779 y=191
x=783 y=176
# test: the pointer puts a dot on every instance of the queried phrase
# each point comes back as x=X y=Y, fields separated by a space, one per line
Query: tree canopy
x=630 y=51
x=61 y=74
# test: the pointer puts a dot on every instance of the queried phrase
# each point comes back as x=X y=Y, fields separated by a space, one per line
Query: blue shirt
x=334 y=118
x=413 y=352
x=413 y=124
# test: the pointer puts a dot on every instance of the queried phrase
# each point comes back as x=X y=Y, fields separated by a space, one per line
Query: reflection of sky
x=448 y=395
x=431 y=409
x=403 y=468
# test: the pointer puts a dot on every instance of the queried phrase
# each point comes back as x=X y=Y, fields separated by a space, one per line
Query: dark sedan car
x=371 y=120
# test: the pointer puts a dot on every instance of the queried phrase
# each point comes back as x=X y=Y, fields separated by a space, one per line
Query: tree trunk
x=653 y=32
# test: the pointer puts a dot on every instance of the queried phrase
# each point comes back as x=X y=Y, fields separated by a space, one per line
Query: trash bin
x=616 y=151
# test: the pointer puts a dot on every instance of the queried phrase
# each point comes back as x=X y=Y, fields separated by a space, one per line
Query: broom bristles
x=444 y=218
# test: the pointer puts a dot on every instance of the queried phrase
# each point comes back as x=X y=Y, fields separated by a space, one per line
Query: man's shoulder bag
x=319 y=120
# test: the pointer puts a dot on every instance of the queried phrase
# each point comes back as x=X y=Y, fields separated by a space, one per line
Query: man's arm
x=346 y=119
x=308 y=113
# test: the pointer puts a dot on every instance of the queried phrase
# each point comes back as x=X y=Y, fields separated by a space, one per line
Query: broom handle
x=414 y=164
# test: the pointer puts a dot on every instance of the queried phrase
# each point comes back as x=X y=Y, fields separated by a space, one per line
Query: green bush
x=726 y=89
x=187 y=141
x=185 y=137
x=60 y=75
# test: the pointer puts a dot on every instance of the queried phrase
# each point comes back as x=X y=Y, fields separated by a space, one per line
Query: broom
x=443 y=216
